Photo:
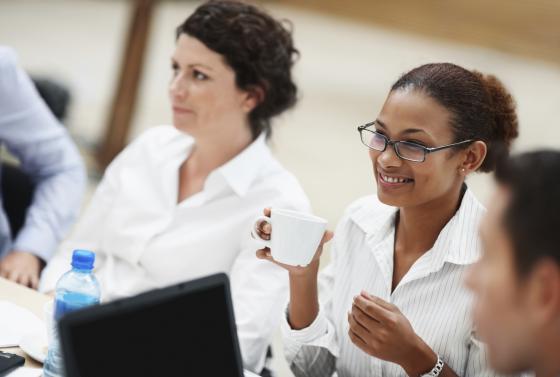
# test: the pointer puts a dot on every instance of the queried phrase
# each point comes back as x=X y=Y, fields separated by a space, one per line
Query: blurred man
x=517 y=281
x=32 y=134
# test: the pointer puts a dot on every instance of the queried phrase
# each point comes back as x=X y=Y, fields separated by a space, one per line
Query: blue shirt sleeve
x=31 y=132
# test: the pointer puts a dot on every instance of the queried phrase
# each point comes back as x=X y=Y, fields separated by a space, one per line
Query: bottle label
x=71 y=301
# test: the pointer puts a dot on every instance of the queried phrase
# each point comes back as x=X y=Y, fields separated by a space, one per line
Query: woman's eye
x=199 y=75
x=417 y=143
x=175 y=69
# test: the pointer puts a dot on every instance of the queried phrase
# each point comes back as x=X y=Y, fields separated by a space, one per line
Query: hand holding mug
x=296 y=243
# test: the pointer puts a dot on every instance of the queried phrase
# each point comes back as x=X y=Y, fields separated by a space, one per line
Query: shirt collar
x=457 y=243
x=240 y=172
x=375 y=219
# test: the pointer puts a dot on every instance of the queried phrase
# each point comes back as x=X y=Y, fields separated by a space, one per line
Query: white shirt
x=144 y=239
x=431 y=295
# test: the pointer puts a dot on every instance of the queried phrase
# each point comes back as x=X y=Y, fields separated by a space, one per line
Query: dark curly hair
x=257 y=47
x=480 y=106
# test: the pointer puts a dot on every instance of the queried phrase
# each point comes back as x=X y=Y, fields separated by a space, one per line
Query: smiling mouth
x=394 y=180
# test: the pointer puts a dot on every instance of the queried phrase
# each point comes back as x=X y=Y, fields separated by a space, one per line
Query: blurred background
x=114 y=57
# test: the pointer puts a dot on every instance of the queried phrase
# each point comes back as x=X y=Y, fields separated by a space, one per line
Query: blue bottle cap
x=83 y=259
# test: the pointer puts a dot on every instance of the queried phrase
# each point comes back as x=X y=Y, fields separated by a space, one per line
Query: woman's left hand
x=381 y=330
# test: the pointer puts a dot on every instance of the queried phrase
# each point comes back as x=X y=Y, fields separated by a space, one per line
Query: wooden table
x=26 y=298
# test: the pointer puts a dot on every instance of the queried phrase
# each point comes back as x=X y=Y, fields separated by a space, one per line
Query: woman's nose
x=178 y=86
x=389 y=158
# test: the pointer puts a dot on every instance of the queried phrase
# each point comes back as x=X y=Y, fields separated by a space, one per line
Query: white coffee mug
x=295 y=236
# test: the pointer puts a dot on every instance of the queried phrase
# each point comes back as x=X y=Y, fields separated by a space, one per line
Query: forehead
x=499 y=202
x=189 y=50
x=492 y=224
x=413 y=109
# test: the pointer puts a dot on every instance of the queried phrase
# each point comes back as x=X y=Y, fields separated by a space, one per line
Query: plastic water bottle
x=76 y=289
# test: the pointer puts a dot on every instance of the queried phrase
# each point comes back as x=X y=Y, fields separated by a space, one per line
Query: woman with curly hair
x=176 y=203
x=394 y=303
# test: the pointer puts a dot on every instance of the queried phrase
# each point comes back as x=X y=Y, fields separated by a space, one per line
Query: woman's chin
x=393 y=198
x=183 y=126
x=389 y=200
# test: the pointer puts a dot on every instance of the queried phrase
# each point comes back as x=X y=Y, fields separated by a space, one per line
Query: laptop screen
x=184 y=330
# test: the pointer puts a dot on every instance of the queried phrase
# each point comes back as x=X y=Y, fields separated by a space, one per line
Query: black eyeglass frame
x=394 y=144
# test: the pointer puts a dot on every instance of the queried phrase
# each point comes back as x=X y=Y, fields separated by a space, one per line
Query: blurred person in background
x=177 y=203
x=31 y=133
x=394 y=303
x=517 y=281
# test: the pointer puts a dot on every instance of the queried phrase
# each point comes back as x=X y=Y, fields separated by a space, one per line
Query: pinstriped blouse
x=431 y=295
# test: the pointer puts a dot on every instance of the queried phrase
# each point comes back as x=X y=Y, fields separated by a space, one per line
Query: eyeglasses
x=404 y=149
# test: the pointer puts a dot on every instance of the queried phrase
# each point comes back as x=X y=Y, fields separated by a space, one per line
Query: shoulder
x=158 y=136
x=154 y=139
x=8 y=58
x=287 y=189
x=9 y=71
x=291 y=192
x=151 y=146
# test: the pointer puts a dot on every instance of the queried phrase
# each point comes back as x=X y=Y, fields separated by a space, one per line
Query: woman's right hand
x=264 y=230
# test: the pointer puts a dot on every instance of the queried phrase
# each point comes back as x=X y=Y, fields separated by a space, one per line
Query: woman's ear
x=544 y=291
x=253 y=97
x=474 y=156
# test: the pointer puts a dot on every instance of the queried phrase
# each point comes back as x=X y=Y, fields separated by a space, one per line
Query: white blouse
x=144 y=239
x=431 y=295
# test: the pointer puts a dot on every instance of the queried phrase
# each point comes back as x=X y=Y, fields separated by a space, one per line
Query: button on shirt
x=431 y=295
x=32 y=134
x=144 y=239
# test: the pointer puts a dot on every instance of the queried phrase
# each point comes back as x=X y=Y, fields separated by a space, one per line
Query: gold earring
x=463 y=170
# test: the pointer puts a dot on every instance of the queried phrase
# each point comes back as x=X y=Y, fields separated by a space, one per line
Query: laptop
x=184 y=330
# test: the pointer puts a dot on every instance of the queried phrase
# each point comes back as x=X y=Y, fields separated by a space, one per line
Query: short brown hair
x=532 y=216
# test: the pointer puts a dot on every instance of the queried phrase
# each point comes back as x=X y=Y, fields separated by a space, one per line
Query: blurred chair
x=55 y=95
x=17 y=195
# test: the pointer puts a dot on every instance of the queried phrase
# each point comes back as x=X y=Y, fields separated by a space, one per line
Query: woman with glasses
x=176 y=204
x=394 y=303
